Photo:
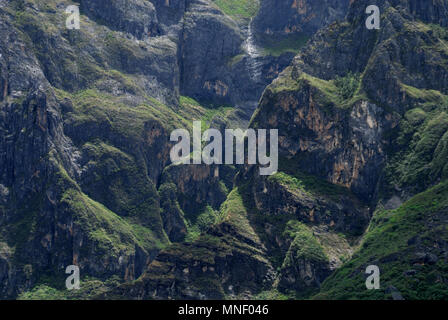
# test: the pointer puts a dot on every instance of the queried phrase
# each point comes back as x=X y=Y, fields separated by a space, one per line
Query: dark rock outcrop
x=277 y=19
x=221 y=263
x=138 y=17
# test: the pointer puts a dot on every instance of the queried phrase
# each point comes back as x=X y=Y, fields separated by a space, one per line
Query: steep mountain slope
x=361 y=132
x=48 y=221
x=85 y=119
x=85 y=175
x=350 y=100
x=279 y=19
x=409 y=244
x=370 y=115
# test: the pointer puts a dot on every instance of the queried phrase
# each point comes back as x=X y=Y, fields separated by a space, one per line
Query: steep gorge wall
x=285 y=18
x=85 y=120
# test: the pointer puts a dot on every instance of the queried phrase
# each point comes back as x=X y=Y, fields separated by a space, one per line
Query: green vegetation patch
x=290 y=182
x=419 y=150
x=348 y=85
x=109 y=233
x=290 y=174
x=235 y=211
x=389 y=244
x=304 y=246
x=276 y=46
x=198 y=224
x=90 y=289
x=194 y=111
x=341 y=93
x=239 y=9
x=426 y=96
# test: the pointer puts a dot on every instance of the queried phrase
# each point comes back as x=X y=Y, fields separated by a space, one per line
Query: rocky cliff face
x=85 y=175
x=278 y=19
x=368 y=94
x=85 y=118
x=356 y=114
x=341 y=145
x=47 y=222
x=321 y=74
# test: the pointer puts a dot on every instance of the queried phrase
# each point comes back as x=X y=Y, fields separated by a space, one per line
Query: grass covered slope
x=418 y=152
x=370 y=116
x=239 y=9
x=289 y=44
x=225 y=261
x=109 y=104
x=408 y=244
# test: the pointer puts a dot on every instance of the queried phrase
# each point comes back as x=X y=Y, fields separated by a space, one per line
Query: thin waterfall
x=254 y=64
